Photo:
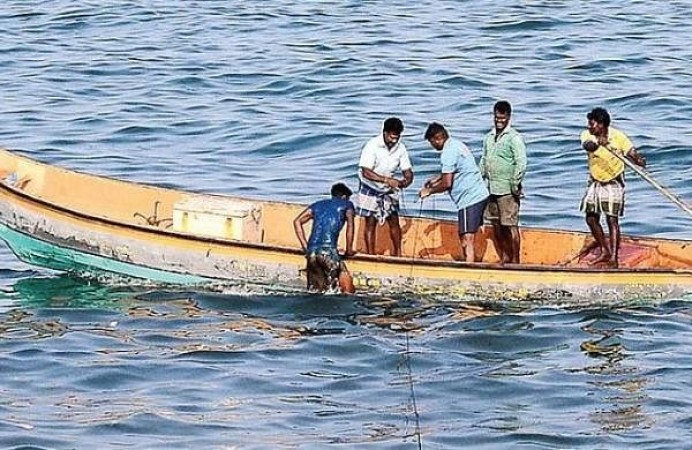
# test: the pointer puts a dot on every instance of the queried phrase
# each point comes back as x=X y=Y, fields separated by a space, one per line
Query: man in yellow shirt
x=606 y=191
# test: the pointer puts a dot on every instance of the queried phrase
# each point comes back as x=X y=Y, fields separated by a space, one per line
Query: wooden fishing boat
x=76 y=222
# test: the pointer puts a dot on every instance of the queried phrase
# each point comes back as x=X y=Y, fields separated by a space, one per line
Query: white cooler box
x=222 y=218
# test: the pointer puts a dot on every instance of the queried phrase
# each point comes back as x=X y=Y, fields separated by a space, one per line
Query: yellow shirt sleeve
x=603 y=165
x=587 y=136
x=619 y=141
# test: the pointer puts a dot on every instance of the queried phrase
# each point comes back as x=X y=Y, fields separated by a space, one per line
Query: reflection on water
x=21 y=325
x=203 y=97
x=619 y=386
x=66 y=291
x=354 y=370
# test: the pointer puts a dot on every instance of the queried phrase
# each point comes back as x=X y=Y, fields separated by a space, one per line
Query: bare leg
x=317 y=275
x=614 y=231
x=395 y=234
x=346 y=281
x=467 y=246
x=369 y=235
x=501 y=241
x=515 y=240
x=592 y=220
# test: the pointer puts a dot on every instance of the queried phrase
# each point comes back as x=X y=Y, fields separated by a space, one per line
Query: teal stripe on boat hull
x=41 y=253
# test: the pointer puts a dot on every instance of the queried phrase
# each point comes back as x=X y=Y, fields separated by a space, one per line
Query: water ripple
x=264 y=99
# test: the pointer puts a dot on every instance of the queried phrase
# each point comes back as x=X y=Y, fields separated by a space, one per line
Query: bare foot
x=586 y=249
x=605 y=257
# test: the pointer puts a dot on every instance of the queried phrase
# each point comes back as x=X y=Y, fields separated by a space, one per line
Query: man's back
x=329 y=217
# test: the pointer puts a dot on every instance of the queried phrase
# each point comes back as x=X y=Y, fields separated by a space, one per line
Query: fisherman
x=606 y=189
x=325 y=268
x=461 y=178
x=503 y=165
x=378 y=196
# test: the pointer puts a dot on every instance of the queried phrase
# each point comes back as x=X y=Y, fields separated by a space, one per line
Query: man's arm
x=433 y=181
x=302 y=218
x=366 y=165
x=520 y=162
x=350 y=232
x=406 y=168
x=441 y=184
x=636 y=157
x=481 y=163
x=376 y=177
x=590 y=146
x=408 y=179
x=588 y=141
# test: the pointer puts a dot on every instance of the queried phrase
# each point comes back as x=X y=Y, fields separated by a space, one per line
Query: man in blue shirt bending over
x=325 y=269
x=461 y=177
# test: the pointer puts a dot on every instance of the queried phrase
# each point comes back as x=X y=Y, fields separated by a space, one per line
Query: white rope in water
x=407 y=353
x=415 y=238
x=413 y=393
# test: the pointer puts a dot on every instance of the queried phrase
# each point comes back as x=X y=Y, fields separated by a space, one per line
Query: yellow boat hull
x=59 y=218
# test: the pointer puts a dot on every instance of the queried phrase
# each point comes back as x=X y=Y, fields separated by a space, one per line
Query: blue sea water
x=274 y=100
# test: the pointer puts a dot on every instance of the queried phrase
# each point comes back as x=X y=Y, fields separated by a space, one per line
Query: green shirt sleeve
x=482 y=163
x=520 y=159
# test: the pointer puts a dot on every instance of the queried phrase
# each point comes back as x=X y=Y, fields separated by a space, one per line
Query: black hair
x=503 y=106
x=599 y=115
x=433 y=129
x=341 y=190
x=393 y=125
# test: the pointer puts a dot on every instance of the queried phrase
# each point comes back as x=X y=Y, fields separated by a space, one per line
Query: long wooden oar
x=642 y=173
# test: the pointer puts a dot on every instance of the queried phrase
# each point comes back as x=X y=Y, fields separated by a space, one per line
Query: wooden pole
x=642 y=173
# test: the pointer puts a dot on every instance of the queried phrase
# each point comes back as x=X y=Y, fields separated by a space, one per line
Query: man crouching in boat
x=605 y=146
x=325 y=269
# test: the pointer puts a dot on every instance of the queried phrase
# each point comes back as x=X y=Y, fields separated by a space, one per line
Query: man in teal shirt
x=460 y=176
x=503 y=166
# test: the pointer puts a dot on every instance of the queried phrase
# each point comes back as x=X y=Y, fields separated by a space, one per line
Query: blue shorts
x=471 y=217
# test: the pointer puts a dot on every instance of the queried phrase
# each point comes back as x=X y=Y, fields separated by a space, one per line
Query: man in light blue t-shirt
x=461 y=177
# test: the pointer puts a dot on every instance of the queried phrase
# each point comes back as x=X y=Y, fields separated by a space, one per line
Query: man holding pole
x=607 y=150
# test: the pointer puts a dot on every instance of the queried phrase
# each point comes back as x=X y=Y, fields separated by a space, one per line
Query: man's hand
x=424 y=193
x=636 y=157
x=393 y=183
x=603 y=140
x=590 y=146
x=517 y=190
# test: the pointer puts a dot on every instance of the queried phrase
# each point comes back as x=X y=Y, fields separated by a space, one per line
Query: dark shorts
x=323 y=271
x=471 y=217
x=503 y=209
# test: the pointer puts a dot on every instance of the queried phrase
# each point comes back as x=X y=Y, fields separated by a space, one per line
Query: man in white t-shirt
x=378 y=197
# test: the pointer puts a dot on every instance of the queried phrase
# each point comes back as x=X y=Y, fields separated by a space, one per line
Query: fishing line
x=434 y=211
x=415 y=238
x=413 y=392
x=407 y=352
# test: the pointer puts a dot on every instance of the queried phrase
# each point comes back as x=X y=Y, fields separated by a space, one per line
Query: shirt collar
x=507 y=129
x=381 y=143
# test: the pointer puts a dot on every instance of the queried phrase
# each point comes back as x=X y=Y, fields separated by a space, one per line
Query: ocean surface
x=274 y=100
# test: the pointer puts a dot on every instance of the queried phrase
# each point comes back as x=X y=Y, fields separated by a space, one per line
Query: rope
x=434 y=211
x=407 y=353
x=415 y=239
x=413 y=393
